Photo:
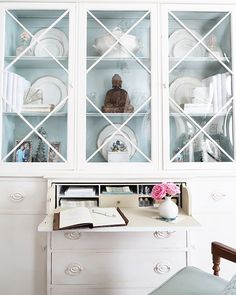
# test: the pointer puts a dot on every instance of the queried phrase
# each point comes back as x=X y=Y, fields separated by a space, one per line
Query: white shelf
x=28 y=114
x=106 y=62
x=197 y=114
x=117 y=114
x=36 y=62
x=199 y=59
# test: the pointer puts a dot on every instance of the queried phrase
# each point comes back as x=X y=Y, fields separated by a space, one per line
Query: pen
x=104 y=213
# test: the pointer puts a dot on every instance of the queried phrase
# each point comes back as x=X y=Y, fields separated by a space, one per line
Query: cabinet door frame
x=122 y=168
x=42 y=168
x=165 y=8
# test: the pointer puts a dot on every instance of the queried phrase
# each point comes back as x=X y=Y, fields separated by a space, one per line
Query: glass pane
x=14 y=129
x=202 y=149
x=200 y=89
x=118 y=84
x=36 y=73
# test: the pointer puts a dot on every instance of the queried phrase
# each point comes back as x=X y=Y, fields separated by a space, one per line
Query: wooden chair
x=193 y=281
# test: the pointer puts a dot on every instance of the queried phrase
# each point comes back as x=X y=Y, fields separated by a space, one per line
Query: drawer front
x=213 y=195
x=61 y=290
x=119 y=201
x=128 y=269
x=23 y=196
x=126 y=240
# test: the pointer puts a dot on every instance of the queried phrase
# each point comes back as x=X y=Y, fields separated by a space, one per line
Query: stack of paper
x=75 y=191
x=198 y=108
x=14 y=89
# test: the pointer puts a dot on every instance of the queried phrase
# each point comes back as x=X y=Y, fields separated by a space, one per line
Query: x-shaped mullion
x=200 y=41
x=36 y=40
x=34 y=130
x=118 y=40
x=201 y=130
x=118 y=129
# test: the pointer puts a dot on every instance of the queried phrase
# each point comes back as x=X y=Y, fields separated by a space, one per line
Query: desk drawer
x=68 y=290
x=23 y=196
x=128 y=269
x=126 y=240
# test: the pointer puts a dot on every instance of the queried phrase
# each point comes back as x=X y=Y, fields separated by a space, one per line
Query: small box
x=118 y=157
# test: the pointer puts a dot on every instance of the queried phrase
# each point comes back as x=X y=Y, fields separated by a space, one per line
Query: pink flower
x=172 y=189
x=158 y=191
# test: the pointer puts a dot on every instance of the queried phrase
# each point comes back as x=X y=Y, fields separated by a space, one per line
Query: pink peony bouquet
x=161 y=190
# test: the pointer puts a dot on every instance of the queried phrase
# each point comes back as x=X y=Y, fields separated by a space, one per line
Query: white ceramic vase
x=168 y=209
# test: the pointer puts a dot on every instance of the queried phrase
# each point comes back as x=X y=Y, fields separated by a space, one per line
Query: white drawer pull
x=163 y=234
x=162 y=268
x=16 y=197
x=73 y=269
x=218 y=196
x=74 y=235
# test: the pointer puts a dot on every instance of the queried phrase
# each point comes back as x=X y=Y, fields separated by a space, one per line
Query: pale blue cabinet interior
x=130 y=59
x=39 y=100
x=200 y=86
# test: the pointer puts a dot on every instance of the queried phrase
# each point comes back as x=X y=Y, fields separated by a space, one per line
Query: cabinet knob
x=162 y=268
x=74 y=235
x=73 y=269
x=163 y=234
x=16 y=197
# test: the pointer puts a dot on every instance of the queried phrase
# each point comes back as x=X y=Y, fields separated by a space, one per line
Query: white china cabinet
x=134 y=69
x=37 y=85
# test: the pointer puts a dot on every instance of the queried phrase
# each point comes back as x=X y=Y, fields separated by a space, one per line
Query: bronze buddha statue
x=117 y=99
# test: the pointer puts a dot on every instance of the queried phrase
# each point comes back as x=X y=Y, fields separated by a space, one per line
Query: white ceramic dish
x=187 y=41
x=53 y=45
x=103 y=43
x=54 y=90
x=53 y=33
x=181 y=89
x=108 y=131
x=108 y=147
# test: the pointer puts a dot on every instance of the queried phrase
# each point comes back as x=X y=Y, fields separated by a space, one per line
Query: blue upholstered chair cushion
x=230 y=288
x=192 y=281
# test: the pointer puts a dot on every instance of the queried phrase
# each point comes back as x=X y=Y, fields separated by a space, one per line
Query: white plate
x=182 y=47
x=54 y=90
x=109 y=130
x=53 y=45
x=53 y=33
x=181 y=89
x=108 y=147
x=181 y=35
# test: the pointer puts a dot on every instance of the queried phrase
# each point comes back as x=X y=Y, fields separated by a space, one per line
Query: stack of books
x=37 y=108
x=15 y=88
x=78 y=192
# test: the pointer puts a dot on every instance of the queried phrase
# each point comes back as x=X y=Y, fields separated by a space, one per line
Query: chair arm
x=218 y=251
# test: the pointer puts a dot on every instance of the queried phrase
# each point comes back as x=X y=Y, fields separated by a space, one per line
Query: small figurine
x=117 y=99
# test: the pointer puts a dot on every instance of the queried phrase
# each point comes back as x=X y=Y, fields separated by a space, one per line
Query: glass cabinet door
x=200 y=87
x=35 y=86
x=118 y=101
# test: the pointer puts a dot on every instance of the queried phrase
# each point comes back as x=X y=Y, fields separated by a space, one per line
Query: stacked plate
x=181 y=89
x=181 y=42
x=108 y=131
x=54 y=40
x=53 y=89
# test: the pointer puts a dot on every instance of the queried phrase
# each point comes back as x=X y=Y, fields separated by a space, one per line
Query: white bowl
x=103 y=43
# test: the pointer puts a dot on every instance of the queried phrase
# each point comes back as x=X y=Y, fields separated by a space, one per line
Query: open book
x=88 y=217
